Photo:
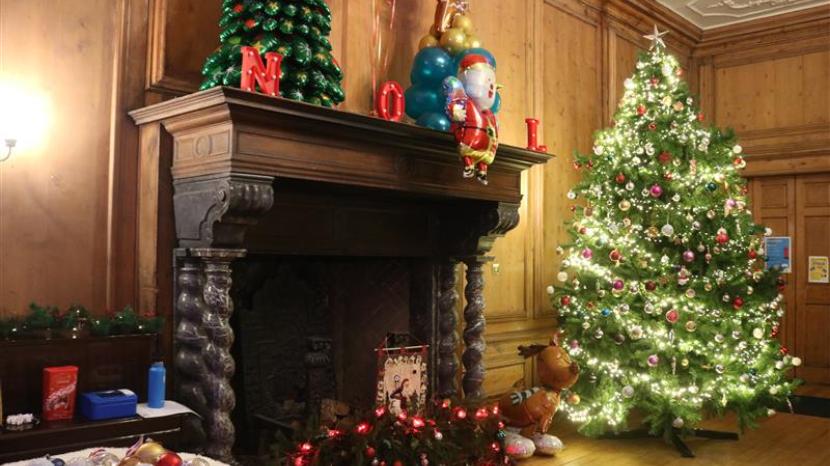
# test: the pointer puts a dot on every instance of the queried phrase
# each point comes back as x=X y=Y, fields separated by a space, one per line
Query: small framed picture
x=402 y=380
x=778 y=250
x=818 y=269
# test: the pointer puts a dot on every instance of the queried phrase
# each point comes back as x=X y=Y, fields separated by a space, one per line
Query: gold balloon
x=463 y=22
x=149 y=452
x=453 y=40
x=427 y=41
x=473 y=42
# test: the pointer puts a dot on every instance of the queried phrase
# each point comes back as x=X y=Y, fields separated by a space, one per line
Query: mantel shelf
x=226 y=130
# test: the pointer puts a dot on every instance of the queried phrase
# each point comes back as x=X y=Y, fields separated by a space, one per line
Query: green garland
x=451 y=435
x=48 y=321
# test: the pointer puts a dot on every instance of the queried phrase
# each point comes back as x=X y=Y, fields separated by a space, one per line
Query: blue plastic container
x=108 y=404
x=155 y=385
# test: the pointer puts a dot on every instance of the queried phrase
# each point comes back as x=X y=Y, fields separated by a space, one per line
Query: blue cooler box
x=108 y=404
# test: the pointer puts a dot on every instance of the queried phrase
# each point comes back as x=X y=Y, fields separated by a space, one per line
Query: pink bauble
x=587 y=253
x=672 y=316
x=618 y=284
x=656 y=191
x=653 y=360
x=688 y=256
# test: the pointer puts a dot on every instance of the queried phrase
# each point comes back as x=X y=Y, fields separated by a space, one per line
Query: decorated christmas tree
x=298 y=30
x=665 y=302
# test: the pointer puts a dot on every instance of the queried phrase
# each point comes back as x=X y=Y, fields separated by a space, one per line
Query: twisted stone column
x=447 y=334
x=474 y=324
x=190 y=366
x=216 y=352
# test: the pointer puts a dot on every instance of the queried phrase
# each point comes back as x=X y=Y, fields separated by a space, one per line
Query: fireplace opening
x=306 y=330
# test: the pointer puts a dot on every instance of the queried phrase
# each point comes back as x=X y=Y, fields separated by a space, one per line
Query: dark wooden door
x=799 y=206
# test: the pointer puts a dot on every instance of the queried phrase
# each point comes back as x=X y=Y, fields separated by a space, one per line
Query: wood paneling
x=55 y=223
x=774 y=205
x=812 y=339
x=768 y=80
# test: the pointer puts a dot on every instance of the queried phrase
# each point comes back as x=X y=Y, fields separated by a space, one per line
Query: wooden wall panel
x=54 y=199
x=813 y=299
x=572 y=106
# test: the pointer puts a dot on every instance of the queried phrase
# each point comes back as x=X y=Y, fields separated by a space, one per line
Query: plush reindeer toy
x=528 y=413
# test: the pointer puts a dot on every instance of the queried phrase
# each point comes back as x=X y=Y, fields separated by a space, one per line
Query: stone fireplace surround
x=250 y=180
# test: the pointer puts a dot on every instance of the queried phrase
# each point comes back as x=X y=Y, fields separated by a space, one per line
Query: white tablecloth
x=116 y=451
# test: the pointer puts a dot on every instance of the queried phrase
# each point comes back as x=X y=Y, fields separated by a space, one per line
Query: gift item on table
x=155 y=385
x=59 y=386
x=21 y=421
x=108 y=404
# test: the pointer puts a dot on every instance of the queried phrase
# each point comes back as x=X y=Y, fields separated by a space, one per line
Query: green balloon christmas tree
x=297 y=29
x=665 y=302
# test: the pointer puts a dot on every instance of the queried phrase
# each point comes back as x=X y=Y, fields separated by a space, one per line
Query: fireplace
x=307 y=328
x=323 y=230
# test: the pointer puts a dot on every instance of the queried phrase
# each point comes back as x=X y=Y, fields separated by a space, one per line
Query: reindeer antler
x=532 y=350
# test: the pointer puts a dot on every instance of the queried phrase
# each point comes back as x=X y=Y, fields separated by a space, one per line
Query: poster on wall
x=778 y=253
x=818 y=269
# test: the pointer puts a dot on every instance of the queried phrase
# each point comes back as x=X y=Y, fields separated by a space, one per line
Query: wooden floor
x=782 y=440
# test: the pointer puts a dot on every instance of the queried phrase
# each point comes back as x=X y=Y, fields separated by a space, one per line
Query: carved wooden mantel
x=209 y=165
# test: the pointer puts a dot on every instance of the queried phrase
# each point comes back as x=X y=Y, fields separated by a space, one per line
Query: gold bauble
x=624 y=205
x=473 y=42
x=463 y=22
x=427 y=41
x=453 y=40
x=652 y=232
x=149 y=452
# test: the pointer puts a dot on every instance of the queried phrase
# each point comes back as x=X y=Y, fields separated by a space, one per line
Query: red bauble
x=752 y=254
x=784 y=350
x=641 y=110
x=565 y=300
x=672 y=316
x=620 y=178
x=738 y=302
x=238 y=8
x=774 y=331
x=700 y=117
x=664 y=157
x=615 y=255
x=590 y=164
x=652 y=126
x=679 y=72
x=169 y=459
x=722 y=238
x=370 y=452
x=577 y=165
x=651 y=286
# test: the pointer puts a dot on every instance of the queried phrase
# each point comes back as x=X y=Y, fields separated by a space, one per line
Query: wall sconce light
x=24 y=118
x=10 y=143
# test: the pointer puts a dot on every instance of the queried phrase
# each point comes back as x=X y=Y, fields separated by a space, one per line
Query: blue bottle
x=155 y=385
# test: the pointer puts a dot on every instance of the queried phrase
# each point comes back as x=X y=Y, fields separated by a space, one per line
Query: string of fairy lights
x=649 y=322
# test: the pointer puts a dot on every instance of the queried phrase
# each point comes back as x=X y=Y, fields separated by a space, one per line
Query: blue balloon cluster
x=425 y=99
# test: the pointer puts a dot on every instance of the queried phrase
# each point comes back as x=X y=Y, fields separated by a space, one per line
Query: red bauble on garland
x=620 y=178
x=737 y=303
x=565 y=300
x=752 y=254
x=615 y=255
x=722 y=237
x=664 y=157
x=641 y=110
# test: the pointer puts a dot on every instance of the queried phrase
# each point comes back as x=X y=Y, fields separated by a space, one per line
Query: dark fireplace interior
x=300 y=316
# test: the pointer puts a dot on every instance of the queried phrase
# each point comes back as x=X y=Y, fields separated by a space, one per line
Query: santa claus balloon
x=470 y=99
